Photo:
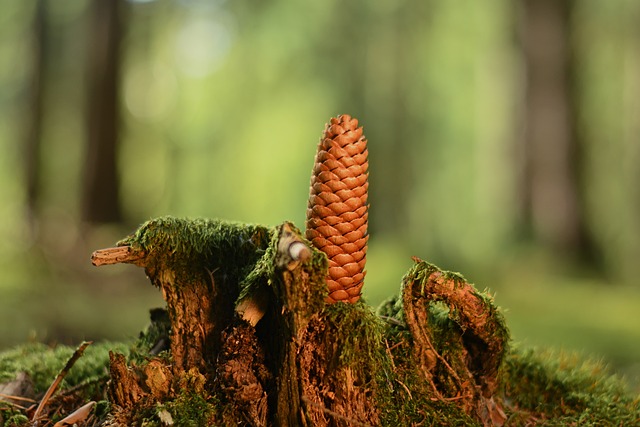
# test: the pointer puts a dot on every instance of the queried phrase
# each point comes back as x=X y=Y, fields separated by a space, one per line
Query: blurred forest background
x=504 y=143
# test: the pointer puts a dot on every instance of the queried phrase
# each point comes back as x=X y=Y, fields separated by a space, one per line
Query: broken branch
x=117 y=255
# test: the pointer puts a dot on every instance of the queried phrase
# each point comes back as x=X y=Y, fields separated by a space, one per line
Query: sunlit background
x=504 y=143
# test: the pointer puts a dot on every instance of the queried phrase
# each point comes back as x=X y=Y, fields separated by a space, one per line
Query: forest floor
x=57 y=296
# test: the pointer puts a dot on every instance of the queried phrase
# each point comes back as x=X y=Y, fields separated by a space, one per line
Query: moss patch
x=43 y=363
x=557 y=388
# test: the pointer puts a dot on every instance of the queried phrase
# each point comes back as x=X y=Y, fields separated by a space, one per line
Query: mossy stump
x=248 y=339
x=251 y=334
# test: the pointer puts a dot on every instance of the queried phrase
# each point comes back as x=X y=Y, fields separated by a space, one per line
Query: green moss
x=567 y=389
x=405 y=397
x=43 y=363
x=359 y=335
x=17 y=420
x=188 y=410
x=263 y=270
x=228 y=250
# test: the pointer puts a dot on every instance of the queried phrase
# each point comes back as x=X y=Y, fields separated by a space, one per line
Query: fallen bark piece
x=80 y=415
x=18 y=391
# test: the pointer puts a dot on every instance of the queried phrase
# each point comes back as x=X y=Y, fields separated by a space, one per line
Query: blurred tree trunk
x=100 y=198
x=552 y=201
x=385 y=57
x=33 y=140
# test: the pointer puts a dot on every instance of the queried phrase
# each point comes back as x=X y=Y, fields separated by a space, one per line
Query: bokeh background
x=504 y=141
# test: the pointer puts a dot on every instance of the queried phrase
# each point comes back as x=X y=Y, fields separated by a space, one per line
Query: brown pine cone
x=337 y=212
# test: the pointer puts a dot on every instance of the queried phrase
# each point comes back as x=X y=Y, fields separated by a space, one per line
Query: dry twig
x=54 y=385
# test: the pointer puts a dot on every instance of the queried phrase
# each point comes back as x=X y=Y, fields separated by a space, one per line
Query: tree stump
x=252 y=340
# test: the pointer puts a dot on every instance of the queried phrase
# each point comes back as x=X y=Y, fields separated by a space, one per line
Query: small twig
x=334 y=414
x=77 y=387
x=396 y=345
x=54 y=385
x=24 y=399
x=393 y=321
x=451 y=399
x=386 y=343
x=405 y=389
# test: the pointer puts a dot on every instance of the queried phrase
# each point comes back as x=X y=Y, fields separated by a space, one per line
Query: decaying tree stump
x=252 y=335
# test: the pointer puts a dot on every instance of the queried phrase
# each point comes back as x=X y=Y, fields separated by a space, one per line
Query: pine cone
x=337 y=212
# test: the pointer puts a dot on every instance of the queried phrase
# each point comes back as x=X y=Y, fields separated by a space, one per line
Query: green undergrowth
x=566 y=389
x=43 y=363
